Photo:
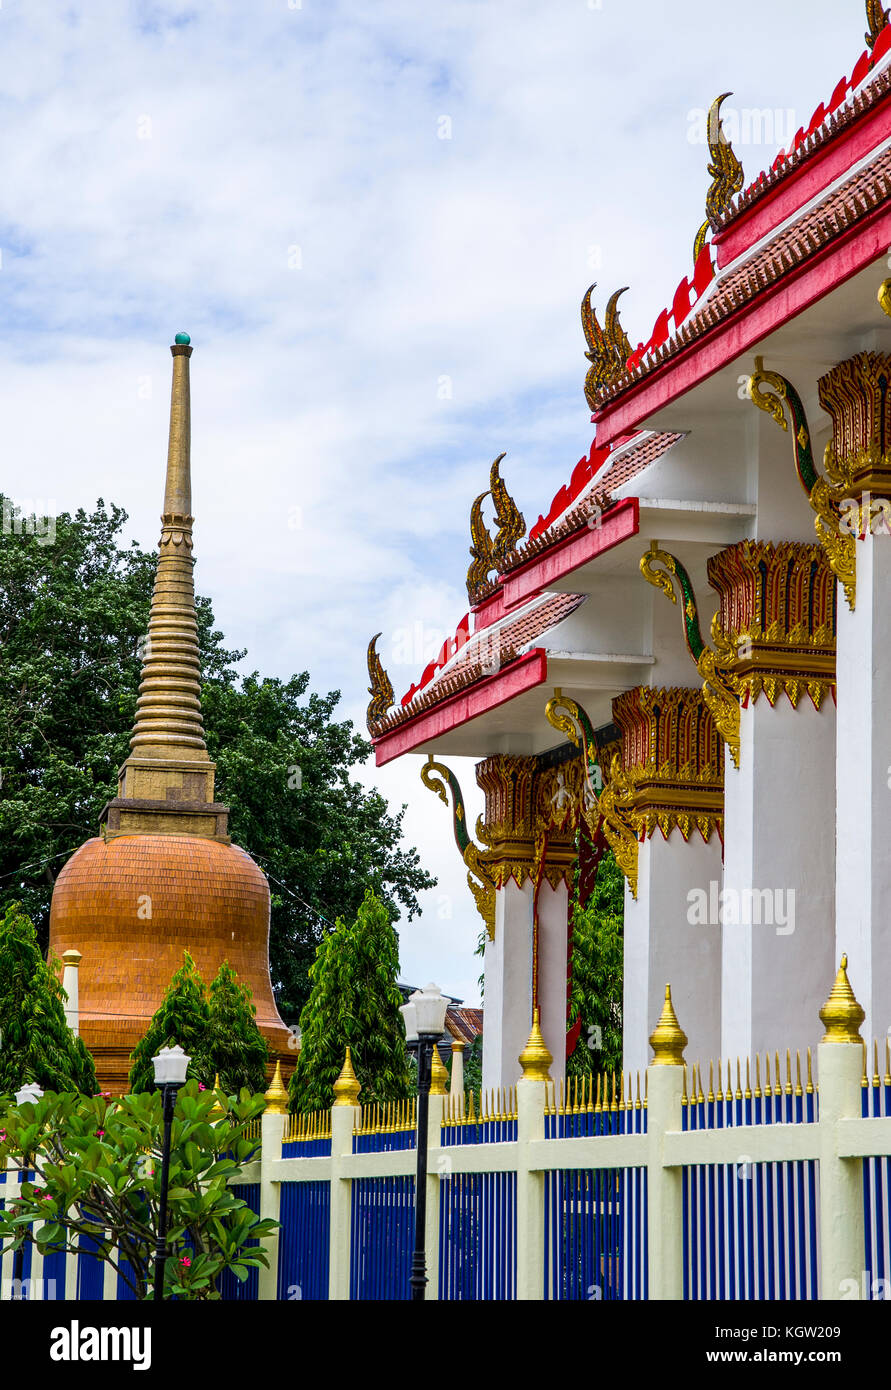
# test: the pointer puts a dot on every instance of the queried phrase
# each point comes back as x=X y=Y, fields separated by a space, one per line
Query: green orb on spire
x=182 y=338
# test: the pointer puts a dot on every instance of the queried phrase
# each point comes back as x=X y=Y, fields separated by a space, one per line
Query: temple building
x=685 y=657
x=163 y=875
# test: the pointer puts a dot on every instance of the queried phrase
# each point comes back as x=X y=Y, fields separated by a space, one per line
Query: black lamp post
x=171 y=1066
x=29 y=1093
x=424 y=1016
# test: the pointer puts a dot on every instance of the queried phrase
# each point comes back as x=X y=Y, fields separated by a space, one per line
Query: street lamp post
x=31 y=1093
x=171 y=1065
x=424 y=1016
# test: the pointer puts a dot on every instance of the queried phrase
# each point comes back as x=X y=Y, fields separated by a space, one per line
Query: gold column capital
x=668 y=1039
x=841 y=1015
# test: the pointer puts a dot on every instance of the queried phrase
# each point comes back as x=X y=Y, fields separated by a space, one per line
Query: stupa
x=163 y=875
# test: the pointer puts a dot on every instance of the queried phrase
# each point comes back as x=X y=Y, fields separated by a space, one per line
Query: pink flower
x=185 y=1262
x=201 y=1086
x=99 y=1133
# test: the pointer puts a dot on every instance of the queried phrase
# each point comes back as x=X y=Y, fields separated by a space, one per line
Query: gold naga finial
x=876 y=18
x=725 y=170
x=487 y=554
x=668 y=1039
x=509 y=519
x=608 y=347
x=841 y=1015
x=276 y=1097
x=380 y=690
x=884 y=294
x=535 y=1059
x=438 y=1075
x=346 y=1087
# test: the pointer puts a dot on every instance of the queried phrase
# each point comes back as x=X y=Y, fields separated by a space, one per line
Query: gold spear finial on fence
x=668 y=1039
x=346 y=1087
x=438 y=1075
x=276 y=1097
x=841 y=1014
x=535 y=1059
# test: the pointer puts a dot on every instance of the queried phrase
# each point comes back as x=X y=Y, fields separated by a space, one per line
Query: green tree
x=36 y=1043
x=597 y=960
x=183 y=1017
x=72 y=614
x=99 y=1165
x=354 y=1002
x=238 y=1051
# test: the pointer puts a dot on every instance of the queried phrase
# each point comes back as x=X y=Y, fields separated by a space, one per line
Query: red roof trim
x=521 y=675
x=617 y=525
x=828 y=268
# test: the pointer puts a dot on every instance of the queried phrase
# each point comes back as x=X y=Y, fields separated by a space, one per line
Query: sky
x=377 y=223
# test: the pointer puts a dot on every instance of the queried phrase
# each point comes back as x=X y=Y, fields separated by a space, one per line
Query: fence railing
x=775 y=1187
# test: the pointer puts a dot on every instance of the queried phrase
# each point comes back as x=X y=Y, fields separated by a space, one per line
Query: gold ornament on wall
x=715 y=666
x=480 y=880
x=825 y=493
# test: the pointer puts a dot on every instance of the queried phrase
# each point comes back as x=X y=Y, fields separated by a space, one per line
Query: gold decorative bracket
x=480 y=879
x=719 y=688
x=825 y=493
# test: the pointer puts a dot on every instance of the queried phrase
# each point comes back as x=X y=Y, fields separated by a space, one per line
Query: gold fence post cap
x=668 y=1039
x=535 y=1059
x=841 y=1014
x=438 y=1075
x=346 y=1087
x=276 y=1097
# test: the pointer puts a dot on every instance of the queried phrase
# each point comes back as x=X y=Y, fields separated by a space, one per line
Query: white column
x=456 y=1082
x=553 y=939
x=70 y=978
x=863 y=776
x=666 y=943
x=508 y=994
x=778 y=899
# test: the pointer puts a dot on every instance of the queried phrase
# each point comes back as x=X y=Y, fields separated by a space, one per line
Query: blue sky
x=376 y=222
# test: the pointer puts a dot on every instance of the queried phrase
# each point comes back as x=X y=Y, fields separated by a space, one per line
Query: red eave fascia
x=539 y=572
x=804 y=182
x=521 y=675
x=769 y=310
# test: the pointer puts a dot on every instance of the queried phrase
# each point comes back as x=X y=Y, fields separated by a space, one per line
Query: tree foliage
x=99 y=1175
x=237 y=1049
x=182 y=1017
x=72 y=616
x=353 y=1002
x=597 y=961
x=36 y=1043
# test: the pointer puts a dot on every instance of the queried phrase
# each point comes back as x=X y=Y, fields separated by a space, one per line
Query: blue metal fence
x=750 y=1229
x=381 y=1237
x=876 y=1101
x=304 y=1248
x=478 y=1236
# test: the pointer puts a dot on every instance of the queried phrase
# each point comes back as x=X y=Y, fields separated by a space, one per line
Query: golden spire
x=166 y=784
x=168 y=711
x=841 y=1014
x=668 y=1040
x=276 y=1097
x=346 y=1087
x=438 y=1075
x=535 y=1059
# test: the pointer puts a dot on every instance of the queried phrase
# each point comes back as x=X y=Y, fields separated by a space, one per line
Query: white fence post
x=535 y=1059
x=839 y=1069
x=345 y=1115
x=665 y=1211
x=272 y=1127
